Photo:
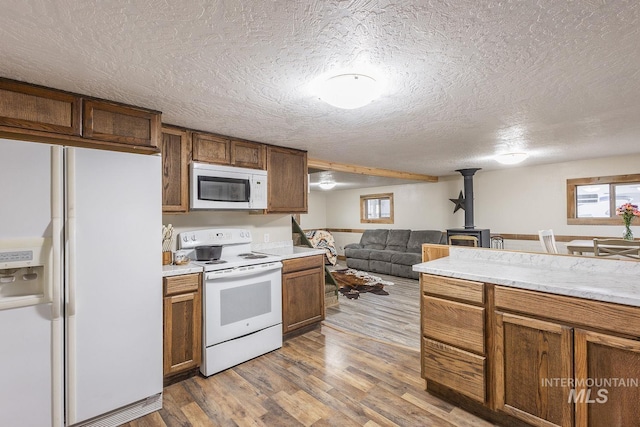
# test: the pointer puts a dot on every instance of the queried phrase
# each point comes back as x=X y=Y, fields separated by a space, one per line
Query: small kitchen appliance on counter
x=242 y=298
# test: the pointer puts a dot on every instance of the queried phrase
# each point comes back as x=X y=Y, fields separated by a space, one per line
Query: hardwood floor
x=363 y=372
x=393 y=318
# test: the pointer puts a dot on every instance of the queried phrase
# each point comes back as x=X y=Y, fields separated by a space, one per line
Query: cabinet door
x=211 y=148
x=534 y=364
x=287 y=176
x=247 y=154
x=121 y=124
x=610 y=366
x=302 y=298
x=182 y=323
x=27 y=107
x=176 y=146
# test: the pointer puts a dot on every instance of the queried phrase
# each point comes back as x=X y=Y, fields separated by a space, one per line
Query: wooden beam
x=365 y=170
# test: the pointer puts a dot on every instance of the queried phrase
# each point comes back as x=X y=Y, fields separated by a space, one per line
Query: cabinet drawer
x=622 y=319
x=302 y=263
x=449 y=287
x=180 y=284
x=454 y=323
x=454 y=368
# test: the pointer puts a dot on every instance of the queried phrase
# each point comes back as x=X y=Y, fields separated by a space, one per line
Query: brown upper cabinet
x=111 y=122
x=176 y=151
x=33 y=108
x=247 y=154
x=287 y=180
x=210 y=148
x=53 y=116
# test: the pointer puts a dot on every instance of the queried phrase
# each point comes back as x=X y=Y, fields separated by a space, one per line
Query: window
x=376 y=208
x=594 y=200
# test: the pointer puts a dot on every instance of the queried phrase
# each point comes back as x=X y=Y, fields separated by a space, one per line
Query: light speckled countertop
x=578 y=276
x=176 y=270
x=288 y=252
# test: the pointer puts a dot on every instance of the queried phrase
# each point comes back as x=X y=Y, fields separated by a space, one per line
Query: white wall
x=527 y=199
x=516 y=200
x=421 y=206
x=274 y=227
x=317 y=216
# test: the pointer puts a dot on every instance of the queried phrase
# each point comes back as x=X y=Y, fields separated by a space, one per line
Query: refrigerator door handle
x=57 y=338
x=71 y=287
x=56 y=223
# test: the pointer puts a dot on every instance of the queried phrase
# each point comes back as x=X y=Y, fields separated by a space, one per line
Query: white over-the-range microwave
x=227 y=187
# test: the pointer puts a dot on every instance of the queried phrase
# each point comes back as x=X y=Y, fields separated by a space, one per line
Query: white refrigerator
x=80 y=285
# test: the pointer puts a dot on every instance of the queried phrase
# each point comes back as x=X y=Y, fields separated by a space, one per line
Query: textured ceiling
x=463 y=79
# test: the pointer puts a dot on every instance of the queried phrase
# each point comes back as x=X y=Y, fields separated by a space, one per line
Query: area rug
x=353 y=282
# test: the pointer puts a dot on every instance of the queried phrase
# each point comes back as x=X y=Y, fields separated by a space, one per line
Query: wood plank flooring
x=359 y=372
x=394 y=318
x=325 y=377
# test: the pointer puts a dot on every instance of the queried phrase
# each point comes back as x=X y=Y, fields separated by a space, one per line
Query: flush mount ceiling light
x=327 y=185
x=349 y=91
x=511 y=158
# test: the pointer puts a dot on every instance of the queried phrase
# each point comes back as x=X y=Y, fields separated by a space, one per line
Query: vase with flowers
x=627 y=212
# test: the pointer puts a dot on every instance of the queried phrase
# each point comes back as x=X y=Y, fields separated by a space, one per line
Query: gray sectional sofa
x=391 y=252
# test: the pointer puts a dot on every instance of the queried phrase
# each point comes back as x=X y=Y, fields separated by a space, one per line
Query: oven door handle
x=241 y=272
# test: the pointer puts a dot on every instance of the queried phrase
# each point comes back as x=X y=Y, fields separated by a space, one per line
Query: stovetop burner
x=216 y=261
x=252 y=256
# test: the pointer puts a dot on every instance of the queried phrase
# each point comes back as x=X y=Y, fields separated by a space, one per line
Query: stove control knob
x=185 y=238
x=193 y=237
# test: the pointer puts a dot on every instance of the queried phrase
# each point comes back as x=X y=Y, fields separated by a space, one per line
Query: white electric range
x=242 y=299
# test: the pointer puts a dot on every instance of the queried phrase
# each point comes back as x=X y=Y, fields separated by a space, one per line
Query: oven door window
x=245 y=302
x=223 y=189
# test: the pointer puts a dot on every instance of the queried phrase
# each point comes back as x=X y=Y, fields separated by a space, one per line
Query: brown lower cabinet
x=182 y=324
x=302 y=292
x=534 y=358
x=530 y=352
x=453 y=335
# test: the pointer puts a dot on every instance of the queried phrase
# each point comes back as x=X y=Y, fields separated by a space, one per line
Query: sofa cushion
x=406 y=258
x=381 y=255
x=380 y=267
x=374 y=239
x=404 y=271
x=418 y=237
x=358 y=264
x=397 y=240
x=357 y=253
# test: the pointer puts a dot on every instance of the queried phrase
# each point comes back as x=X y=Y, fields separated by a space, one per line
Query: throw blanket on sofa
x=322 y=239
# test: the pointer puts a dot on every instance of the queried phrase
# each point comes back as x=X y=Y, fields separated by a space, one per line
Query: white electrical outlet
x=266 y=237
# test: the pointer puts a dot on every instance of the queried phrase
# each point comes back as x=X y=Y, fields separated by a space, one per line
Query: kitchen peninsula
x=535 y=339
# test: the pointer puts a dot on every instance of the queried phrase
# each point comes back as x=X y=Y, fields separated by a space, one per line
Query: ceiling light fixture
x=349 y=91
x=327 y=185
x=511 y=158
